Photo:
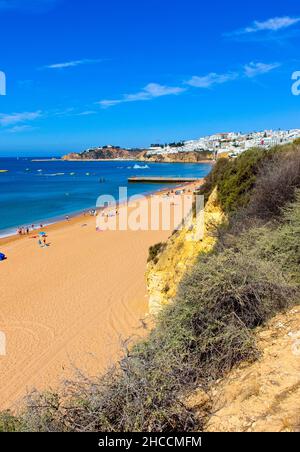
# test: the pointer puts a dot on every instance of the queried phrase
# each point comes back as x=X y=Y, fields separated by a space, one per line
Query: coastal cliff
x=166 y=270
x=105 y=153
x=116 y=153
x=181 y=157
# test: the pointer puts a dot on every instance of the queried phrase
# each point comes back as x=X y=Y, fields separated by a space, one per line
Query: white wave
x=54 y=174
x=141 y=167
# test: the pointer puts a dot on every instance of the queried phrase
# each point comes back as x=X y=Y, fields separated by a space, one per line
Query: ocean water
x=39 y=192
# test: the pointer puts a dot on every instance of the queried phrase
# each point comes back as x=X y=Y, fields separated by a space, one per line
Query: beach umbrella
x=42 y=233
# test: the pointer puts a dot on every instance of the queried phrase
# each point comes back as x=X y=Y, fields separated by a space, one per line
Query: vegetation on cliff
x=251 y=274
x=262 y=169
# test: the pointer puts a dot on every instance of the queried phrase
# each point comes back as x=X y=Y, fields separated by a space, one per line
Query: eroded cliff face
x=263 y=396
x=109 y=153
x=186 y=157
x=181 y=251
x=141 y=155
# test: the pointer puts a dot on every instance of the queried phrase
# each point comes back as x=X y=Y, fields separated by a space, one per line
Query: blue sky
x=88 y=73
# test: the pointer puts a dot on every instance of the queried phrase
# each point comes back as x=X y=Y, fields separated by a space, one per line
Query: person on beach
x=67 y=217
x=40 y=243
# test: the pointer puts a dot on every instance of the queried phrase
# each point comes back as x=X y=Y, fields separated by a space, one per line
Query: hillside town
x=209 y=147
x=231 y=143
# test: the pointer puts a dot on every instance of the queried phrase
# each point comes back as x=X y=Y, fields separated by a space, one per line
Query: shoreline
x=74 y=217
x=210 y=162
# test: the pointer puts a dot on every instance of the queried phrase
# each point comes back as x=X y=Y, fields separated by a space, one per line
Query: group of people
x=26 y=230
x=92 y=212
x=41 y=238
x=111 y=213
x=23 y=231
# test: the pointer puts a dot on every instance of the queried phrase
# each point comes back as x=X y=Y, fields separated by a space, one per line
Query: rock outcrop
x=106 y=153
x=181 y=157
x=116 y=153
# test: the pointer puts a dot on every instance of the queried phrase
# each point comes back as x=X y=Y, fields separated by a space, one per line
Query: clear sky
x=83 y=73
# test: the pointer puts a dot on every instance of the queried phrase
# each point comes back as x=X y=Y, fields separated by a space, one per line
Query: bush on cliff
x=234 y=179
x=276 y=182
x=272 y=174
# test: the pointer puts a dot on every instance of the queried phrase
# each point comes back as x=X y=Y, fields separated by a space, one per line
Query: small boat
x=3 y=171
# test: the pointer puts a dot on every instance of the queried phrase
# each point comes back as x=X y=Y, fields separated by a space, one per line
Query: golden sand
x=70 y=304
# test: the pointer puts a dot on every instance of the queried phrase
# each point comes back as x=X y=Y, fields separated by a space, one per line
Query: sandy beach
x=70 y=304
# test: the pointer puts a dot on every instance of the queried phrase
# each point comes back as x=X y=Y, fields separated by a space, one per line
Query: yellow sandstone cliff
x=179 y=254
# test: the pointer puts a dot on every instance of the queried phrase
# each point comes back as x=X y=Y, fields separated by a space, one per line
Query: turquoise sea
x=34 y=192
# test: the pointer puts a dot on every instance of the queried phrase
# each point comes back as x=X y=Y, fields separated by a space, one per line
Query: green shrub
x=276 y=182
x=8 y=423
x=276 y=168
x=276 y=242
x=235 y=179
x=283 y=245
